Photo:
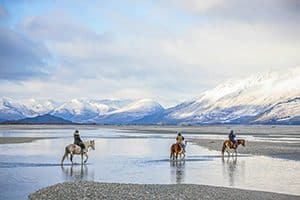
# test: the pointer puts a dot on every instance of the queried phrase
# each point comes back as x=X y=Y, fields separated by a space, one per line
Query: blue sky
x=169 y=50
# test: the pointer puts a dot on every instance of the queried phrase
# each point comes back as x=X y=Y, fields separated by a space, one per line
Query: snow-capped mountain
x=271 y=98
x=39 y=107
x=80 y=111
x=76 y=110
x=266 y=98
x=13 y=110
x=130 y=113
x=10 y=110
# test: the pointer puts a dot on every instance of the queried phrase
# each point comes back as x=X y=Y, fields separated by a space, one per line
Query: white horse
x=74 y=149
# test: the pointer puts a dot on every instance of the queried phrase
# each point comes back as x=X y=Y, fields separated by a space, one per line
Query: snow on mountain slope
x=130 y=113
x=239 y=100
x=77 y=110
x=16 y=109
x=282 y=111
x=39 y=107
x=144 y=105
x=113 y=104
x=9 y=110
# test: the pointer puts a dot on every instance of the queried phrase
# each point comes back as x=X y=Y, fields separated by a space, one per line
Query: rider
x=180 y=140
x=232 y=137
x=78 y=141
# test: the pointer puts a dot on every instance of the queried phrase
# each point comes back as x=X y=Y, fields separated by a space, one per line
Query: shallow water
x=126 y=157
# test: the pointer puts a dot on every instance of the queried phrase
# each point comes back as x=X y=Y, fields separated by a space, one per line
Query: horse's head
x=242 y=142
x=92 y=144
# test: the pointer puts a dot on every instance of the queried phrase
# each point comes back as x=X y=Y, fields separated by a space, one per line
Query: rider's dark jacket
x=78 y=141
x=232 y=137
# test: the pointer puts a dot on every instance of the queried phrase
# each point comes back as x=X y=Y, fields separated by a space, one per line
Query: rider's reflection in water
x=230 y=168
x=77 y=172
x=177 y=171
x=234 y=170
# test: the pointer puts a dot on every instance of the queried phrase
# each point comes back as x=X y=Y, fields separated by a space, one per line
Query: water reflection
x=233 y=170
x=177 y=171
x=77 y=172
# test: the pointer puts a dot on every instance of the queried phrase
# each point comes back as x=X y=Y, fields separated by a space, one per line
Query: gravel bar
x=95 y=190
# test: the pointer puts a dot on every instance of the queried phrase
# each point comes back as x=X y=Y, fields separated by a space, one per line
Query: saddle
x=233 y=145
x=183 y=150
x=84 y=150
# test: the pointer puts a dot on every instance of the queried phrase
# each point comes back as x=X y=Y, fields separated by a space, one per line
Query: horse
x=177 y=149
x=229 y=147
x=74 y=149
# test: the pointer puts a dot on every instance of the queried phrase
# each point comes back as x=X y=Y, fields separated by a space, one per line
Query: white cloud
x=140 y=58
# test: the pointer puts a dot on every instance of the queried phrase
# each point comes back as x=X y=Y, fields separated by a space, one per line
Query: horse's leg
x=81 y=158
x=87 y=157
x=71 y=158
x=63 y=158
x=176 y=155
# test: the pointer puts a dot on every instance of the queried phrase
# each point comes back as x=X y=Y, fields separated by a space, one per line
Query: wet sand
x=289 y=151
x=95 y=190
x=17 y=140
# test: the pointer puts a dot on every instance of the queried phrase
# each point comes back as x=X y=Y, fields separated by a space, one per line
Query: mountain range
x=270 y=98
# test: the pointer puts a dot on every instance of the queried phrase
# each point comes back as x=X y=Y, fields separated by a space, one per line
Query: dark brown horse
x=229 y=147
x=177 y=149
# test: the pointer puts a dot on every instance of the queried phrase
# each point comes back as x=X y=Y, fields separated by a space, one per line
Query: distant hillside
x=42 y=119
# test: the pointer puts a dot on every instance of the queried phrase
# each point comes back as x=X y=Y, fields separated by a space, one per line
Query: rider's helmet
x=231 y=131
x=179 y=134
x=76 y=132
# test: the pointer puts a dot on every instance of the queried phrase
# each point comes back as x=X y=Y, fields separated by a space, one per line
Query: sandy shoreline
x=95 y=190
x=18 y=140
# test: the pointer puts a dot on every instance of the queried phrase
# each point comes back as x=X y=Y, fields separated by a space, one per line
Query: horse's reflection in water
x=230 y=168
x=76 y=172
x=177 y=171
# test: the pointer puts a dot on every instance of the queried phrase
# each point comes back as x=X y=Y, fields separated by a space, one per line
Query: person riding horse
x=232 y=137
x=78 y=141
x=180 y=140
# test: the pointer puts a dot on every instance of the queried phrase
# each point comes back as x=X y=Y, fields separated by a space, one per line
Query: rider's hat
x=178 y=133
x=76 y=132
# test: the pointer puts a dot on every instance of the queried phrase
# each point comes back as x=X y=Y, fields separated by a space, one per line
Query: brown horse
x=177 y=149
x=229 y=147
x=74 y=149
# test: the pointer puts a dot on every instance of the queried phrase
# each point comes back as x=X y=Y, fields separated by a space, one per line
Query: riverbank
x=95 y=190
